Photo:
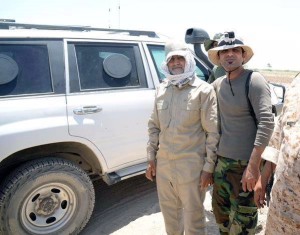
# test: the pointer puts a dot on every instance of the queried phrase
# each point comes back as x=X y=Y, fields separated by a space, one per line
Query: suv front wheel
x=47 y=196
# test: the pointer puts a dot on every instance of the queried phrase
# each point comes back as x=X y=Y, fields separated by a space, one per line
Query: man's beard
x=177 y=71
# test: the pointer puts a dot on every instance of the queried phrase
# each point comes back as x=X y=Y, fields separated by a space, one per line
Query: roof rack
x=13 y=25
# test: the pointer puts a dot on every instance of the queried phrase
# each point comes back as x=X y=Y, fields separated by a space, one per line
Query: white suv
x=75 y=104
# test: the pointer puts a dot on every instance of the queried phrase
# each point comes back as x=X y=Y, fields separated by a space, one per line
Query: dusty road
x=131 y=208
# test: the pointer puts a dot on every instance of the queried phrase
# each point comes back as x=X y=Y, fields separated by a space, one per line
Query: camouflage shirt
x=284 y=150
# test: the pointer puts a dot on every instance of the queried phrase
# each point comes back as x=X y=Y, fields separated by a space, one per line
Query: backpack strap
x=248 y=100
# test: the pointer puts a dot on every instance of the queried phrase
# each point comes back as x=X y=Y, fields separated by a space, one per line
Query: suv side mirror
x=277 y=97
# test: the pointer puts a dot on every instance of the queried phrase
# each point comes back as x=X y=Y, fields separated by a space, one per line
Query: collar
x=194 y=82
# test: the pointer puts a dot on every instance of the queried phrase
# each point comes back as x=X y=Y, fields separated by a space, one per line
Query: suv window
x=158 y=55
x=24 y=69
x=107 y=66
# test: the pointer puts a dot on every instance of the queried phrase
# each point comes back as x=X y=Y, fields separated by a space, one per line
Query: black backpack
x=248 y=100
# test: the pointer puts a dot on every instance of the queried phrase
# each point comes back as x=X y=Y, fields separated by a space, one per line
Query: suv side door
x=110 y=99
x=32 y=94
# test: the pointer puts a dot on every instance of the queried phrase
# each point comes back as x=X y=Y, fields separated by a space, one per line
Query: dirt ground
x=279 y=76
x=131 y=208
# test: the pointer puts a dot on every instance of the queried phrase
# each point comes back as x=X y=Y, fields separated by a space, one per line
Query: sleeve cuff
x=208 y=167
x=151 y=157
x=270 y=154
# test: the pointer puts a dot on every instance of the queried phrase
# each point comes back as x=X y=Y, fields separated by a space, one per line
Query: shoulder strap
x=217 y=89
x=248 y=100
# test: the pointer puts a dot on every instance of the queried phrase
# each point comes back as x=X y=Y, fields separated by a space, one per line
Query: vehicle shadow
x=119 y=205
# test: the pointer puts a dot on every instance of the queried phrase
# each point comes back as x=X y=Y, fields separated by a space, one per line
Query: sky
x=268 y=26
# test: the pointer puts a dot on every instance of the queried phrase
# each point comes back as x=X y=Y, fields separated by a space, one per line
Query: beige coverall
x=183 y=137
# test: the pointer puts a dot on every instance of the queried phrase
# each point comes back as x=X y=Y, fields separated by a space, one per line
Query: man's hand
x=206 y=179
x=261 y=185
x=250 y=177
x=151 y=170
x=260 y=193
x=251 y=173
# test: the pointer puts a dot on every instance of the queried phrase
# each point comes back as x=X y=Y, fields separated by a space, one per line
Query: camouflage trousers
x=234 y=209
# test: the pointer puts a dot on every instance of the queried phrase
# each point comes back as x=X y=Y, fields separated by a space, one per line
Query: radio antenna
x=109 y=18
x=119 y=11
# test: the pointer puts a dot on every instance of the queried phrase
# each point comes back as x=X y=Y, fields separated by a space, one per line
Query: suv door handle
x=87 y=110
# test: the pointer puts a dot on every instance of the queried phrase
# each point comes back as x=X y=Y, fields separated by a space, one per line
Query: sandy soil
x=131 y=208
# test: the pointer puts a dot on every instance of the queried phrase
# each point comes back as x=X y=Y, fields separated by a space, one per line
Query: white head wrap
x=189 y=70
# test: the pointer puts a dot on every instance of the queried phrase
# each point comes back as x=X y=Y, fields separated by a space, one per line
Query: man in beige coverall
x=183 y=135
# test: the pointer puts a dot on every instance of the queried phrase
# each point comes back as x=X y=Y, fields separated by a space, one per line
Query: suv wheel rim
x=48 y=208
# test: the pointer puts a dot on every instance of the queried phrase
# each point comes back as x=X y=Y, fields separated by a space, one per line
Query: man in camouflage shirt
x=217 y=71
x=283 y=153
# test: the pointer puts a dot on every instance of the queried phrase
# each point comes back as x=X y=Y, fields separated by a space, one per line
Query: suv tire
x=46 y=196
